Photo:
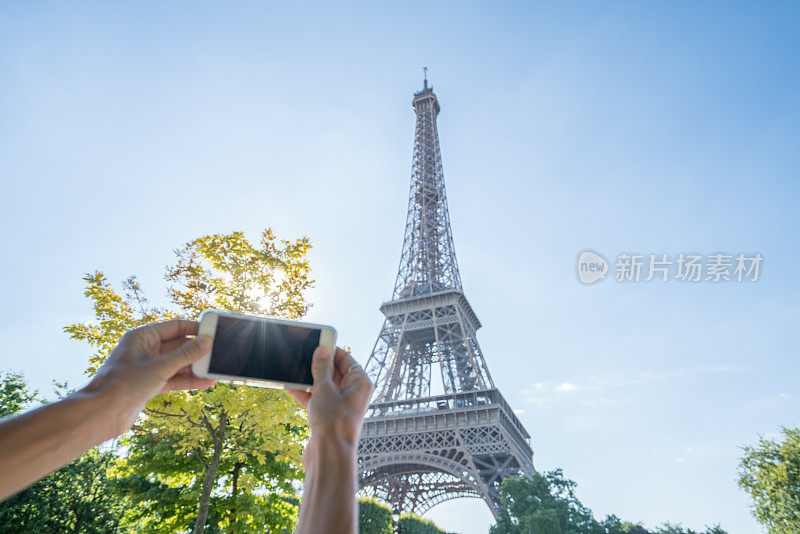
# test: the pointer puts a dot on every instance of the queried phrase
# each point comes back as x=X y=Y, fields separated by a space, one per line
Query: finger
x=322 y=366
x=356 y=379
x=337 y=377
x=351 y=371
x=302 y=397
x=343 y=360
x=339 y=355
x=171 y=344
x=357 y=385
x=180 y=383
x=174 y=328
x=187 y=353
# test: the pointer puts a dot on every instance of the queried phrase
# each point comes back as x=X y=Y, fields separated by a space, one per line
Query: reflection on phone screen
x=251 y=348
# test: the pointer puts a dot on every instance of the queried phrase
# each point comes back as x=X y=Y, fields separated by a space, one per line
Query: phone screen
x=252 y=348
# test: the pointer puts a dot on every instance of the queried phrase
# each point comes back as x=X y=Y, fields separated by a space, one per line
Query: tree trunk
x=236 y=470
x=210 y=475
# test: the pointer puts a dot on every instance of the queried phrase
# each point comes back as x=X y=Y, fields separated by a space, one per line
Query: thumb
x=322 y=365
x=184 y=355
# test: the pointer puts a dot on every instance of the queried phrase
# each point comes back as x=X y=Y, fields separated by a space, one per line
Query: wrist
x=342 y=428
x=108 y=402
x=329 y=451
x=329 y=490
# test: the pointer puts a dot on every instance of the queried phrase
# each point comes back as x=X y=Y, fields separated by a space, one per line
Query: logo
x=591 y=267
x=718 y=267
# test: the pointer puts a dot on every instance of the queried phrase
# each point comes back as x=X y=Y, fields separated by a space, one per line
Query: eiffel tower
x=437 y=428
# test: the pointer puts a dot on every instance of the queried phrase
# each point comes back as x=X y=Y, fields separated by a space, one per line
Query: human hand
x=149 y=360
x=336 y=407
x=339 y=397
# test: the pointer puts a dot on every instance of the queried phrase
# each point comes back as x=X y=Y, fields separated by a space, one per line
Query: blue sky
x=644 y=127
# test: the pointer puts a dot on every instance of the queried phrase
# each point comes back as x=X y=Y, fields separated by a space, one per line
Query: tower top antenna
x=425 y=76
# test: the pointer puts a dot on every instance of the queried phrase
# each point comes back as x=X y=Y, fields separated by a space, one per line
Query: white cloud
x=585 y=422
x=597 y=392
x=648 y=376
x=566 y=387
x=540 y=400
x=695 y=454
x=596 y=402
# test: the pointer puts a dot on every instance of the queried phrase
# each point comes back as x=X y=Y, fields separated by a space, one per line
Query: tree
x=770 y=473
x=669 y=528
x=374 y=517
x=79 y=497
x=632 y=528
x=227 y=445
x=15 y=395
x=543 y=504
x=546 y=504
x=411 y=524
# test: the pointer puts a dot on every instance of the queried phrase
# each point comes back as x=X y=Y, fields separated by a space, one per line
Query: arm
x=336 y=409
x=149 y=360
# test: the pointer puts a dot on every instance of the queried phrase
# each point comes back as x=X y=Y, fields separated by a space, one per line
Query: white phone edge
x=208 y=327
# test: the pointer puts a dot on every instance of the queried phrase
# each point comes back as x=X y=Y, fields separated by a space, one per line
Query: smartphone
x=260 y=351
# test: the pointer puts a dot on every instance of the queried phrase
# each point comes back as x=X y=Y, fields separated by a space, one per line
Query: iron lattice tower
x=425 y=440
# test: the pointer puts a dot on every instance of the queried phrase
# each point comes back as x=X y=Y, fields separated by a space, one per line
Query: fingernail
x=204 y=342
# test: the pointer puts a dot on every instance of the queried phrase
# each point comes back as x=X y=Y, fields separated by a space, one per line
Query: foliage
x=15 y=395
x=374 y=517
x=547 y=504
x=668 y=528
x=770 y=473
x=411 y=524
x=227 y=446
x=79 y=497
x=543 y=504
x=632 y=528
